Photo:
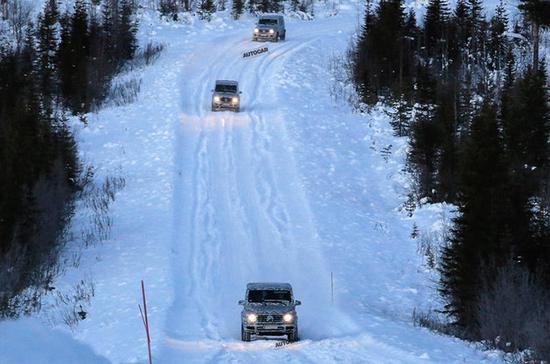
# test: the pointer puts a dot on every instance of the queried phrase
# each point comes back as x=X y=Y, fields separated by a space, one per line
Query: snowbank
x=28 y=341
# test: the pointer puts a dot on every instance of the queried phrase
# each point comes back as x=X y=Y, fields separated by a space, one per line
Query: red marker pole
x=145 y=320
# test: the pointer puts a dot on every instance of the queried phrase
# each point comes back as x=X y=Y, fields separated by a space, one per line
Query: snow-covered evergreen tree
x=237 y=8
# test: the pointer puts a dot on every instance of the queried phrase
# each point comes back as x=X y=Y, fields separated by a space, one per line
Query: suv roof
x=269 y=285
x=227 y=82
x=270 y=16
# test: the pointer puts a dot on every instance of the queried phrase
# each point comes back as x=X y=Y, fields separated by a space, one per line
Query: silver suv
x=270 y=27
x=226 y=96
x=269 y=309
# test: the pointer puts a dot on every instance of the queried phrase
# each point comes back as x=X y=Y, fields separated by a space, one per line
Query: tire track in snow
x=244 y=155
x=220 y=162
x=249 y=150
x=205 y=221
x=226 y=158
x=266 y=184
x=188 y=240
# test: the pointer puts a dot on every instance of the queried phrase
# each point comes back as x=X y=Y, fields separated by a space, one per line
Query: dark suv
x=269 y=309
x=270 y=27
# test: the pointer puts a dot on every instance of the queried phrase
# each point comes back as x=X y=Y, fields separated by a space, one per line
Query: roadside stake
x=145 y=320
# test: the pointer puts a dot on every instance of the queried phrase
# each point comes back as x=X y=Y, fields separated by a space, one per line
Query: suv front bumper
x=271 y=329
x=264 y=37
x=225 y=106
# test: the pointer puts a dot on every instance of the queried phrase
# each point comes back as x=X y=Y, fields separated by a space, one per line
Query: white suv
x=226 y=96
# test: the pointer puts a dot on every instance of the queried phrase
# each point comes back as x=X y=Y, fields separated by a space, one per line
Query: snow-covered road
x=290 y=189
x=241 y=211
x=242 y=208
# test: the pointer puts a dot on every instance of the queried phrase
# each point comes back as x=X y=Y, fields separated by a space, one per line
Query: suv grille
x=270 y=318
x=226 y=99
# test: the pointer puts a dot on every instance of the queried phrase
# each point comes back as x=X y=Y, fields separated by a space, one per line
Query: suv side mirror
x=297 y=302
x=240 y=92
x=242 y=302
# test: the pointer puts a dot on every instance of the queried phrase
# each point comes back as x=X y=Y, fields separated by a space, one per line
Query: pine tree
x=379 y=58
x=109 y=24
x=447 y=156
x=363 y=61
x=264 y=6
x=476 y=25
x=475 y=15
x=47 y=48
x=460 y=18
x=99 y=61
x=65 y=57
x=278 y=6
x=79 y=43
x=206 y=9
x=237 y=9
x=252 y=6
x=526 y=121
x=408 y=54
x=127 y=29
x=169 y=8
x=32 y=163
x=538 y=13
x=458 y=39
x=478 y=233
x=425 y=133
x=498 y=44
x=402 y=116
x=525 y=116
x=436 y=30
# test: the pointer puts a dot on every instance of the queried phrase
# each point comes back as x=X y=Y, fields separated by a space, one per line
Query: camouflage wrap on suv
x=226 y=96
x=269 y=309
x=270 y=27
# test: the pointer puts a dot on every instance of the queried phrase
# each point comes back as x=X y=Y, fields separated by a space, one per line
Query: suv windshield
x=267 y=21
x=268 y=296
x=226 y=88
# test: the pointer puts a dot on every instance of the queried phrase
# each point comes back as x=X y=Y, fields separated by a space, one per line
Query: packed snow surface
x=291 y=189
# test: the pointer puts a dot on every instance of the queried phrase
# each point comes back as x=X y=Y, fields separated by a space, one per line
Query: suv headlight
x=235 y=100
x=256 y=30
x=288 y=317
x=252 y=317
x=217 y=99
x=271 y=31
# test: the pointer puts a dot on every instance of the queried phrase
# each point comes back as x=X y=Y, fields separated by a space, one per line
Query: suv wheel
x=245 y=336
x=283 y=36
x=277 y=37
x=293 y=336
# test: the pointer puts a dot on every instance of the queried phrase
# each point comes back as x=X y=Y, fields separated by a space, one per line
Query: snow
x=511 y=6
x=28 y=341
x=291 y=189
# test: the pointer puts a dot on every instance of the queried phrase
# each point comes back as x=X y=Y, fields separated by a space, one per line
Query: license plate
x=271 y=327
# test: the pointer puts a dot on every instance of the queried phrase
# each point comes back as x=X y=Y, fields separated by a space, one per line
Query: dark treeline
x=205 y=8
x=475 y=107
x=63 y=64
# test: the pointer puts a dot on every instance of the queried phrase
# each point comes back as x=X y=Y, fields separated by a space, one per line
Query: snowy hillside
x=293 y=188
